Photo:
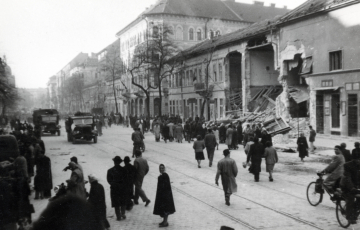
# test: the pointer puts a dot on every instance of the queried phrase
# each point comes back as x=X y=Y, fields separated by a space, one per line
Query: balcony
x=198 y=87
x=126 y=94
x=139 y=93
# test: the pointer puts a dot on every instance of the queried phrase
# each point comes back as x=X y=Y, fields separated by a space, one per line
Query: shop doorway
x=353 y=115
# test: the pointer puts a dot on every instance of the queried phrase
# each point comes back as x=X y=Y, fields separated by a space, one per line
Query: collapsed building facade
x=301 y=65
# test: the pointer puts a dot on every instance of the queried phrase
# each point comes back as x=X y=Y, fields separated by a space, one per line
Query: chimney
x=258 y=3
x=272 y=5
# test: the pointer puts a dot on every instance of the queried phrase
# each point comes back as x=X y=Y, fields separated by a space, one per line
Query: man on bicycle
x=137 y=137
x=350 y=185
x=335 y=169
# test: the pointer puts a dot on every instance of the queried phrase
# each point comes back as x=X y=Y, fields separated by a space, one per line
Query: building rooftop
x=213 y=9
x=307 y=8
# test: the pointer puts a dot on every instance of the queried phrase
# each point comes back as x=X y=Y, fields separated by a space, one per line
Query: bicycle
x=341 y=210
x=315 y=191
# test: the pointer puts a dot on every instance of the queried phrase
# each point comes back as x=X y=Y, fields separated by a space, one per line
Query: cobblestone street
x=199 y=202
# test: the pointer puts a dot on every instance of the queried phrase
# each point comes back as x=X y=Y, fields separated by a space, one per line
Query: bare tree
x=113 y=67
x=207 y=92
x=73 y=90
x=155 y=61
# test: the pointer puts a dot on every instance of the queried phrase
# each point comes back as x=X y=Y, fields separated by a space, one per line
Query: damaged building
x=302 y=65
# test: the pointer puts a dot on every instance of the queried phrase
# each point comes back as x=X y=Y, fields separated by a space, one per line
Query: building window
x=335 y=60
x=211 y=34
x=200 y=76
x=221 y=107
x=155 y=32
x=199 y=34
x=195 y=75
x=218 y=33
x=179 y=33
x=327 y=83
x=187 y=76
x=191 y=77
x=352 y=86
x=220 y=72
x=215 y=73
x=191 y=34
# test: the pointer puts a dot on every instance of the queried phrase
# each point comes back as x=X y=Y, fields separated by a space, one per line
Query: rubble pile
x=259 y=117
x=303 y=124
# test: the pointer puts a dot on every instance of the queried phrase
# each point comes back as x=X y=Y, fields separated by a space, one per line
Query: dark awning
x=299 y=93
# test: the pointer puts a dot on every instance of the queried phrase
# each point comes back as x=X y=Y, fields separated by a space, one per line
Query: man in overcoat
x=228 y=170
x=142 y=168
x=335 y=169
x=256 y=152
x=210 y=144
x=130 y=175
x=116 y=179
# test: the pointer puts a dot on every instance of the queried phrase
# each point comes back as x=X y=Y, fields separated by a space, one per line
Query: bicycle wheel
x=341 y=214
x=313 y=197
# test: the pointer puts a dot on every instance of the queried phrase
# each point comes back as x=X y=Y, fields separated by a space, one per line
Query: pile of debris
x=299 y=125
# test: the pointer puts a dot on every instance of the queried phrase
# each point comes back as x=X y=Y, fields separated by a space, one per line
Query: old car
x=83 y=128
x=48 y=120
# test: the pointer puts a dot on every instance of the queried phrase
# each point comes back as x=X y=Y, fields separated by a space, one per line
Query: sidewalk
x=324 y=144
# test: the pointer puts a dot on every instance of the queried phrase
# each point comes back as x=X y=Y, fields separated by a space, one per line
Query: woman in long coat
x=302 y=146
x=178 y=133
x=43 y=178
x=256 y=152
x=164 y=202
x=97 y=201
x=229 y=136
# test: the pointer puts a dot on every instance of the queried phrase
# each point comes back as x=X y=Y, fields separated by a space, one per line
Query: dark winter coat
x=130 y=176
x=222 y=133
x=97 y=201
x=43 y=178
x=116 y=179
x=256 y=152
x=239 y=133
x=347 y=155
x=302 y=147
x=164 y=201
x=351 y=179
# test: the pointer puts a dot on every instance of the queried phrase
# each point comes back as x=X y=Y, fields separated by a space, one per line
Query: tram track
x=260 y=185
x=286 y=214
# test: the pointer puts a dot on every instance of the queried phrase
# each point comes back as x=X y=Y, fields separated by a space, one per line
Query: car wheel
x=58 y=133
x=95 y=139
x=73 y=140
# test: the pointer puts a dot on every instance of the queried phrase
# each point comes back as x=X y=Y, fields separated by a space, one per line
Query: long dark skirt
x=199 y=156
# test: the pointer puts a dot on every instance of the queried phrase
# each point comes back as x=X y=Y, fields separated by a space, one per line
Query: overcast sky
x=39 y=37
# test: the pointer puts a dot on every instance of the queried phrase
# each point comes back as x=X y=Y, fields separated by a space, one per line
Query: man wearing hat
x=97 y=201
x=142 y=168
x=116 y=179
x=228 y=170
x=130 y=175
x=210 y=144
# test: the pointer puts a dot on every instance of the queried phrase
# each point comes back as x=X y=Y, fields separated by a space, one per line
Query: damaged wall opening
x=264 y=84
x=234 y=60
x=297 y=88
